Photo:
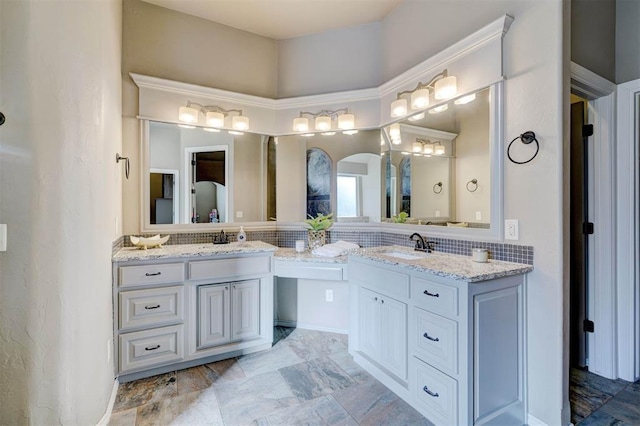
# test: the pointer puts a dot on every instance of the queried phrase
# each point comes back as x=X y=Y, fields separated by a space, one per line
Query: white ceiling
x=282 y=19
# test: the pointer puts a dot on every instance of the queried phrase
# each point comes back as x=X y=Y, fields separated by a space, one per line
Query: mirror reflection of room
x=438 y=167
x=199 y=177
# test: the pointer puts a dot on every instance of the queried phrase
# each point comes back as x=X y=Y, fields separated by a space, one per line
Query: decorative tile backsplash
x=287 y=238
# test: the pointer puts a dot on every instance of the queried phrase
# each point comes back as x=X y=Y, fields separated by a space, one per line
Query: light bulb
x=420 y=99
x=445 y=88
x=188 y=114
x=323 y=123
x=215 y=119
x=240 y=122
x=301 y=124
x=346 y=121
x=398 y=107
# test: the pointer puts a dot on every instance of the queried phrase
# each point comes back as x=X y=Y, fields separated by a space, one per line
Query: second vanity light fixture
x=323 y=121
x=214 y=116
x=426 y=147
x=443 y=85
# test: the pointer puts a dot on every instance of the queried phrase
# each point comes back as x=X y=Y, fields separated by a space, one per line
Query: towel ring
x=526 y=138
x=472 y=182
x=439 y=186
x=127 y=166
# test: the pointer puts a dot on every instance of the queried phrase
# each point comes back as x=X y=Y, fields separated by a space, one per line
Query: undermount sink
x=404 y=255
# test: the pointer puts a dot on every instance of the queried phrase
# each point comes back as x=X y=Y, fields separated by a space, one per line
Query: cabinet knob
x=426 y=389
x=433 y=339
x=152 y=307
x=382 y=301
x=431 y=294
x=375 y=299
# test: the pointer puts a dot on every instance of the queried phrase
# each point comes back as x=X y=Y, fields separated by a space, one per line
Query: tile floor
x=306 y=378
x=603 y=402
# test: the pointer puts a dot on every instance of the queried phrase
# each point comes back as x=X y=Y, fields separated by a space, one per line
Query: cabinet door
x=245 y=310
x=213 y=315
x=369 y=323
x=393 y=336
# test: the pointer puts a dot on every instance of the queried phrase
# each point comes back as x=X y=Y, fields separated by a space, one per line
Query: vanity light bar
x=323 y=120
x=442 y=85
x=214 y=116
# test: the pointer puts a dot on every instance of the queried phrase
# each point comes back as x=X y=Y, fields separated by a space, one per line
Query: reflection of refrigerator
x=164 y=210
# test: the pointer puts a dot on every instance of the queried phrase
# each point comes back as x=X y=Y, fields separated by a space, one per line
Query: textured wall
x=627 y=40
x=59 y=193
x=593 y=36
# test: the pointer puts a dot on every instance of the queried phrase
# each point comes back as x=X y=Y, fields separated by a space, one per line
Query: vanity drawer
x=225 y=268
x=436 y=340
x=160 y=273
x=439 y=298
x=148 y=348
x=308 y=271
x=391 y=283
x=436 y=394
x=153 y=306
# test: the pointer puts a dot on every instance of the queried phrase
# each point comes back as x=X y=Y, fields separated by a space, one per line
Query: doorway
x=580 y=229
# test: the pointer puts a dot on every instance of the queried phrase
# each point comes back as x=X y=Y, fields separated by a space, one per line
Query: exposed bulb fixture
x=438 y=109
x=443 y=86
x=214 y=116
x=465 y=99
x=323 y=120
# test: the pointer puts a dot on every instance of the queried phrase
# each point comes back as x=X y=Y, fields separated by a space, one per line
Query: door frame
x=628 y=209
x=601 y=284
x=176 y=190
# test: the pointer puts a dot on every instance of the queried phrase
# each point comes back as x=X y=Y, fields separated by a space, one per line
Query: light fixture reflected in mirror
x=323 y=121
x=443 y=86
x=214 y=116
x=416 y=117
x=438 y=109
x=465 y=99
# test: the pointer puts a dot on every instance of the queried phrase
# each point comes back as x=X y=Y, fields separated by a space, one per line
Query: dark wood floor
x=599 y=401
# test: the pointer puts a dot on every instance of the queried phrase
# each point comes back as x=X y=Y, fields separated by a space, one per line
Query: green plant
x=400 y=218
x=320 y=222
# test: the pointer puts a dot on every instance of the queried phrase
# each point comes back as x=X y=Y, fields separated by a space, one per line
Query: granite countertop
x=445 y=265
x=177 y=251
x=291 y=255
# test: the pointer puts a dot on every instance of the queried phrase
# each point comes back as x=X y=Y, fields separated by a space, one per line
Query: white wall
x=60 y=196
x=627 y=41
x=333 y=61
x=533 y=68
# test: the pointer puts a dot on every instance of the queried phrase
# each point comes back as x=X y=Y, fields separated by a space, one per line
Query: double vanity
x=444 y=333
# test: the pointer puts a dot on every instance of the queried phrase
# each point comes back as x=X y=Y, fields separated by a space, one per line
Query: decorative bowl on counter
x=149 y=242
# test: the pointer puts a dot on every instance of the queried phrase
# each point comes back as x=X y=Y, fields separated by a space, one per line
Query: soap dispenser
x=242 y=237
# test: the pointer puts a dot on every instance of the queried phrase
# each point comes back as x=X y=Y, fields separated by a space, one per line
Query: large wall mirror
x=194 y=177
x=443 y=166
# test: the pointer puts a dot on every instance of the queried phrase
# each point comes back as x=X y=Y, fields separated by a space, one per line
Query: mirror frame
x=496 y=154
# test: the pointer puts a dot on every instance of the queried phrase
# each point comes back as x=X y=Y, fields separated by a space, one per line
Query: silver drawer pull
x=433 y=339
x=149 y=274
x=431 y=294
x=152 y=307
x=426 y=389
x=151 y=348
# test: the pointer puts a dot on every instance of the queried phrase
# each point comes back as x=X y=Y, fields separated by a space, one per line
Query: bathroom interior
x=482 y=167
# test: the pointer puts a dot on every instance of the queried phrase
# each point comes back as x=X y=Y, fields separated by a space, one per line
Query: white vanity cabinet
x=450 y=348
x=178 y=312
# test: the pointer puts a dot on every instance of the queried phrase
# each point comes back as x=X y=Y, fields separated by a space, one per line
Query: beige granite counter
x=191 y=250
x=444 y=264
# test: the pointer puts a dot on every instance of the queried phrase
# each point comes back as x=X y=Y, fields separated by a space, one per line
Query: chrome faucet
x=421 y=244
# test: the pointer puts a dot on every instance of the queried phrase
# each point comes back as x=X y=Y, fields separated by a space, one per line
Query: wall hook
x=127 y=166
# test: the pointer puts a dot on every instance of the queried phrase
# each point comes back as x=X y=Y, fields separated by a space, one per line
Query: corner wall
x=60 y=195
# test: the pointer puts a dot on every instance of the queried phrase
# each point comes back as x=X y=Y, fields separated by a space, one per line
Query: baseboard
x=534 y=421
x=307 y=326
x=104 y=421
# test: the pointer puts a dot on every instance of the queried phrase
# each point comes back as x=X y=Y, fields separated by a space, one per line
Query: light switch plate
x=511 y=231
x=478 y=215
x=239 y=214
x=3 y=237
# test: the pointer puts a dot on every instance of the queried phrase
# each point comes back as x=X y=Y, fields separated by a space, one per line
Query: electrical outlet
x=3 y=237
x=511 y=231
x=329 y=295
x=437 y=213
x=239 y=214
x=478 y=215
